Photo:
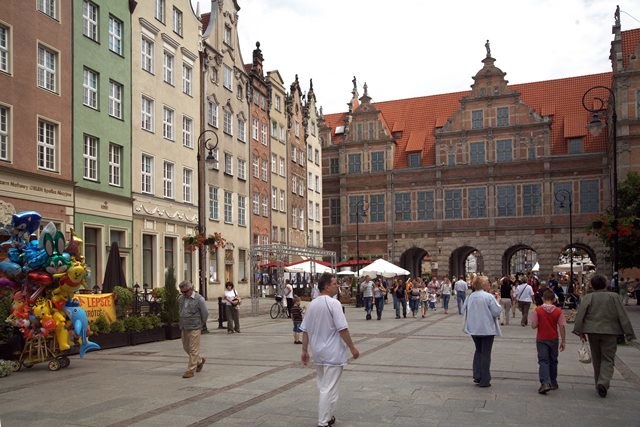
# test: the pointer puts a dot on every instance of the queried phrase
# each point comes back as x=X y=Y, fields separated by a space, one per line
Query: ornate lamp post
x=361 y=209
x=563 y=196
x=601 y=100
x=204 y=143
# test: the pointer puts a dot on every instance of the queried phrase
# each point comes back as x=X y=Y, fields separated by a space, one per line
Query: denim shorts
x=296 y=326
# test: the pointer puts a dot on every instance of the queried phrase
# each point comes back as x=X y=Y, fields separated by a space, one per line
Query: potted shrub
x=109 y=335
x=11 y=342
x=170 y=314
x=123 y=298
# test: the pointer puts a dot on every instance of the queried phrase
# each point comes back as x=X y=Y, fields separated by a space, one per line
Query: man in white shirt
x=367 y=294
x=524 y=296
x=325 y=329
x=461 y=292
x=288 y=294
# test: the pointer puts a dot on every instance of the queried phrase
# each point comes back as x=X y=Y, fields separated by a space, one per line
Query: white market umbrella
x=536 y=267
x=384 y=268
x=346 y=273
x=305 y=267
x=577 y=267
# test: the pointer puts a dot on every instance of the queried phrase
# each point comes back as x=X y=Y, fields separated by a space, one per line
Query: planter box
x=10 y=350
x=150 y=335
x=172 y=331
x=112 y=340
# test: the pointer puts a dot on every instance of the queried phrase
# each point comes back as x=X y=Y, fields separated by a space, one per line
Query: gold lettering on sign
x=36 y=188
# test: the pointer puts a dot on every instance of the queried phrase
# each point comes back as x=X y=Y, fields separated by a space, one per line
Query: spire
x=257 y=60
x=365 y=99
x=311 y=95
x=198 y=8
x=490 y=80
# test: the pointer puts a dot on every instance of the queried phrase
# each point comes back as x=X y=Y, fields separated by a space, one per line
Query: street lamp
x=361 y=209
x=562 y=196
x=599 y=106
x=204 y=143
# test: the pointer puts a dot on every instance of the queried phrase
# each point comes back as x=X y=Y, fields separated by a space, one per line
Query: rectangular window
x=168 y=174
x=215 y=165
x=451 y=159
x=425 y=205
x=282 y=201
x=242 y=169
x=227 y=121
x=294 y=184
x=227 y=77
x=575 y=146
x=294 y=218
x=376 y=208
x=47 y=145
x=48 y=7
x=301 y=219
x=504 y=151
x=564 y=192
x=264 y=133
x=148 y=258
x=4 y=133
x=403 y=207
x=296 y=128
x=90 y=158
x=159 y=10
x=115 y=99
x=187 y=131
x=187 y=79
x=228 y=164
x=169 y=252
x=377 y=161
x=274 y=234
x=146 y=114
x=317 y=186
x=334 y=211
x=168 y=116
x=90 y=88
x=502 y=114
x=414 y=160
x=278 y=103
x=47 y=69
x=115 y=35
x=90 y=20
x=274 y=199
x=274 y=163
x=318 y=218
x=477 y=202
x=227 y=35
x=310 y=181
x=372 y=130
x=177 y=21
x=255 y=125
x=589 y=196
x=334 y=166
x=282 y=166
x=283 y=135
x=242 y=212
x=531 y=153
x=255 y=166
x=115 y=165
x=265 y=170
x=316 y=156
x=228 y=207
x=310 y=211
x=146 y=53
x=274 y=129
x=356 y=209
x=476 y=153
x=4 y=49
x=167 y=67
x=242 y=130
x=265 y=205
x=146 y=183
x=477 y=119
x=355 y=163
x=214 y=211
x=187 y=184
x=212 y=116
x=453 y=204
x=506 y=200
x=531 y=199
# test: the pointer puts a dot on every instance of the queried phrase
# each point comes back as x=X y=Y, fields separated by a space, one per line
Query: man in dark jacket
x=193 y=316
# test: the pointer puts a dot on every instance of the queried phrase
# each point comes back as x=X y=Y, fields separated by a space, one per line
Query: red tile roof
x=630 y=46
x=205 y=20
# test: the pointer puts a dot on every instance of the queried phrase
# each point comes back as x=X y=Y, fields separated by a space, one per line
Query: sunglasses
x=186 y=292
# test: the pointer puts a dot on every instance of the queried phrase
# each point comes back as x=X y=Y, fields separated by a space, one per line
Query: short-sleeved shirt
x=367 y=289
x=322 y=323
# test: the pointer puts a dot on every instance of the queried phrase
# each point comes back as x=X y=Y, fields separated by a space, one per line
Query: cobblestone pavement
x=412 y=372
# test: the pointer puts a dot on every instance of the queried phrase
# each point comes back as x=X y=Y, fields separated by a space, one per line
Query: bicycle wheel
x=275 y=311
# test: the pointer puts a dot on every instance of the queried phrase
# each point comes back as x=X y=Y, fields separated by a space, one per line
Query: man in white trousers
x=325 y=329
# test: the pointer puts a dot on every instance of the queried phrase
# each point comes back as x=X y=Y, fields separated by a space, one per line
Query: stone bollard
x=222 y=314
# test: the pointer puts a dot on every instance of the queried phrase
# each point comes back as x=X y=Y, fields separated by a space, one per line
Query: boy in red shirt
x=548 y=319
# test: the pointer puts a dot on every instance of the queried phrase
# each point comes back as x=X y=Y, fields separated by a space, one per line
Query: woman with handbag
x=232 y=302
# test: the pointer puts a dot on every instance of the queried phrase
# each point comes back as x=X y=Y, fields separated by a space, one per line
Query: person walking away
x=325 y=333
x=193 y=315
x=505 y=300
x=401 y=299
x=394 y=288
x=549 y=322
x=461 y=292
x=446 y=294
x=379 y=292
x=481 y=312
x=288 y=295
x=624 y=291
x=424 y=300
x=524 y=296
x=600 y=319
x=296 y=316
x=433 y=299
x=367 y=295
x=232 y=302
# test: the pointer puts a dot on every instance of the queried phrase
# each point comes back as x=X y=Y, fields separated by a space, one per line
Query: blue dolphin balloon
x=80 y=324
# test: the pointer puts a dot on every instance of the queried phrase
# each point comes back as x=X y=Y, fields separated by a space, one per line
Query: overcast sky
x=412 y=48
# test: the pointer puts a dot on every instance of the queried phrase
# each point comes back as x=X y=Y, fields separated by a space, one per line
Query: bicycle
x=278 y=309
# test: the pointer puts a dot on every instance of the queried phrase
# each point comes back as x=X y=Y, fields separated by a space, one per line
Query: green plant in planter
x=117 y=326
x=6 y=368
x=7 y=331
x=133 y=324
x=101 y=325
x=145 y=322
x=170 y=301
x=123 y=299
x=155 y=320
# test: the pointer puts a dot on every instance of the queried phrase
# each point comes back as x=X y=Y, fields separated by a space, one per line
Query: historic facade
x=314 y=170
x=475 y=175
x=165 y=122
x=35 y=111
x=102 y=132
x=297 y=166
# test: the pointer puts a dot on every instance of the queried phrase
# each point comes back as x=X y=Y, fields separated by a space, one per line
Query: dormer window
x=414 y=160
x=575 y=146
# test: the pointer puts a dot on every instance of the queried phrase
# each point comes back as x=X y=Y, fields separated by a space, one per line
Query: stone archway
x=411 y=260
x=458 y=264
x=525 y=258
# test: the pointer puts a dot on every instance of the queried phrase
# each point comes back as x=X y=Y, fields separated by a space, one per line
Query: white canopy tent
x=578 y=267
x=346 y=273
x=384 y=268
x=306 y=266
